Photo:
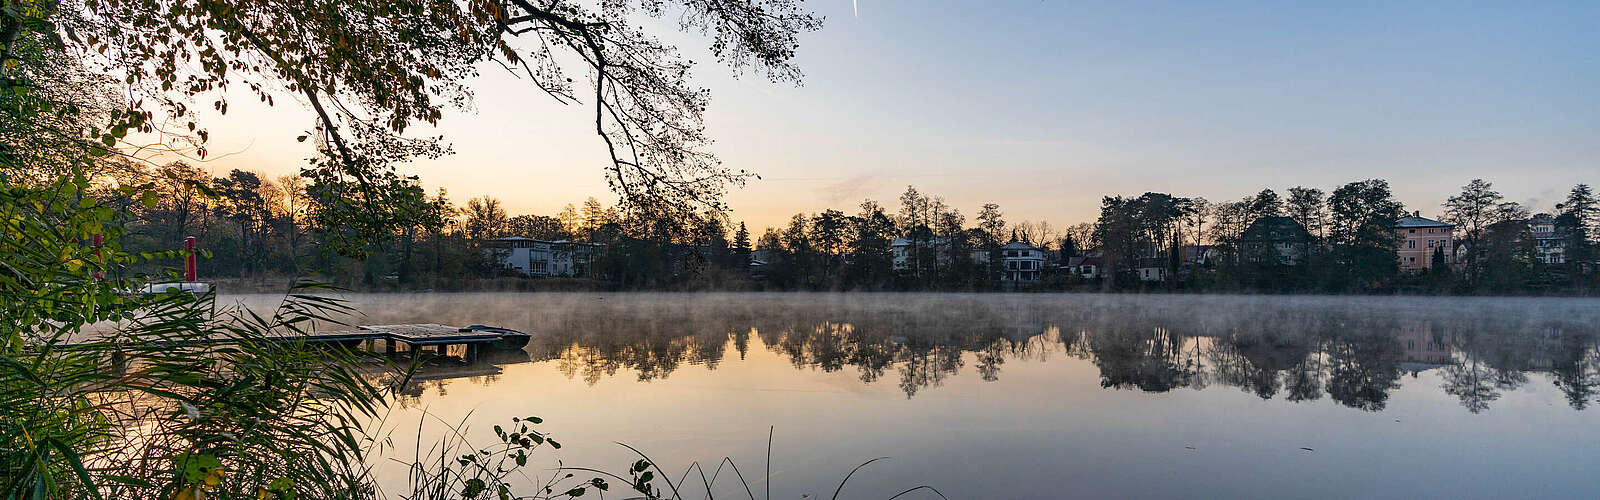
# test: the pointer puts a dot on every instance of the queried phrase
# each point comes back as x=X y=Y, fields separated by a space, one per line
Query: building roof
x=512 y=238
x=1017 y=245
x=1275 y=229
x=1419 y=221
x=1196 y=252
x=1542 y=218
x=903 y=242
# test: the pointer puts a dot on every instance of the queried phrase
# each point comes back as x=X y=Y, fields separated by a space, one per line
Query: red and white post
x=190 y=273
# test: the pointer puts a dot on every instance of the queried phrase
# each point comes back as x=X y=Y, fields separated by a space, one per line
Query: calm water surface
x=1042 y=396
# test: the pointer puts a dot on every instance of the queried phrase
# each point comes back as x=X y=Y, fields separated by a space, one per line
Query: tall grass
x=112 y=394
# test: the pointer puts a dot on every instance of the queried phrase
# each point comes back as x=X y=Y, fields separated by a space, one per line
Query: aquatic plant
x=455 y=468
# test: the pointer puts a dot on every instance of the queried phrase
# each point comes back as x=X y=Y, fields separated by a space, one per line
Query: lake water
x=1040 y=396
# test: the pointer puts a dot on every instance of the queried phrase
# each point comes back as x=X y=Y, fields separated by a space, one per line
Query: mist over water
x=1044 y=395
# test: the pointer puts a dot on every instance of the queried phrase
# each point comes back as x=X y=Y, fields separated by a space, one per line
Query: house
x=760 y=259
x=1548 y=246
x=571 y=258
x=1075 y=267
x=903 y=251
x=1151 y=269
x=1087 y=265
x=1200 y=255
x=1420 y=237
x=1276 y=240
x=1023 y=262
x=531 y=257
x=525 y=256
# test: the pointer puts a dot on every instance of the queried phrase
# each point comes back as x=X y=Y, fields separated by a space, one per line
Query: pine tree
x=1581 y=203
x=741 y=242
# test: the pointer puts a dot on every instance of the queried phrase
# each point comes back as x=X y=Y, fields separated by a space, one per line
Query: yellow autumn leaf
x=190 y=493
x=214 y=477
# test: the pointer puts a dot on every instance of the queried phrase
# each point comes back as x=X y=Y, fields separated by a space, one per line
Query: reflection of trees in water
x=923 y=366
x=1354 y=355
x=593 y=363
x=1304 y=379
x=990 y=357
x=1261 y=365
x=1363 y=369
x=1576 y=371
x=1151 y=360
x=1472 y=382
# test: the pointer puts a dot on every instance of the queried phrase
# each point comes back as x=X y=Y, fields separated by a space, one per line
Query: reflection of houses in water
x=1026 y=325
x=1420 y=348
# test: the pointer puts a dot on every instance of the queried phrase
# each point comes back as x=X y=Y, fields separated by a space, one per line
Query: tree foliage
x=370 y=69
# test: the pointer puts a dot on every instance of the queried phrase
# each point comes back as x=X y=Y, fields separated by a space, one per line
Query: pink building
x=1420 y=237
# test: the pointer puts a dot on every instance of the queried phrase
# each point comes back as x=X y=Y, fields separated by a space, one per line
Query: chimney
x=1416 y=213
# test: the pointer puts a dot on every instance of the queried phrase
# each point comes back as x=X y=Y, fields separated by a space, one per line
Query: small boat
x=510 y=340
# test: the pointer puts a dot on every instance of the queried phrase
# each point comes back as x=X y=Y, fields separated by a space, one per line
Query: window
x=1411 y=243
x=1430 y=243
x=1411 y=230
x=1412 y=260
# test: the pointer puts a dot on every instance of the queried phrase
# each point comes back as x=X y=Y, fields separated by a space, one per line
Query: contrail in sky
x=856 y=6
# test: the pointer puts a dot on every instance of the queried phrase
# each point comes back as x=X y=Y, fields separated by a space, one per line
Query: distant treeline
x=258 y=227
x=1346 y=242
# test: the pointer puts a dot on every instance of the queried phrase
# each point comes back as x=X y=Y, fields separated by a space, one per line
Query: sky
x=1044 y=107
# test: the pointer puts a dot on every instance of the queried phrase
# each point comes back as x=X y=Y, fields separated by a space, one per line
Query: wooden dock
x=415 y=335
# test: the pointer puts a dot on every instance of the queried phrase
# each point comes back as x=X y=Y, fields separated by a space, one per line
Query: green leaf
x=474 y=487
x=131 y=481
x=195 y=466
x=576 y=492
x=77 y=466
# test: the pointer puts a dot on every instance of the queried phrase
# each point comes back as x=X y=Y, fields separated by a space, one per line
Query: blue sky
x=1045 y=106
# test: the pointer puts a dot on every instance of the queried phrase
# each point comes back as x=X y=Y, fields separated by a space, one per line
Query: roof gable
x=1417 y=221
x=1275 y=229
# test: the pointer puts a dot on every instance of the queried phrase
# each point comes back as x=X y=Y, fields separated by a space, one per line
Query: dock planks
x=414 y=334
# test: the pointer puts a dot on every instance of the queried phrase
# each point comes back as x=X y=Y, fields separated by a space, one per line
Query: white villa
x=1023 y=262
x=531 y=257
x=1548 y=246
x=903 y=252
